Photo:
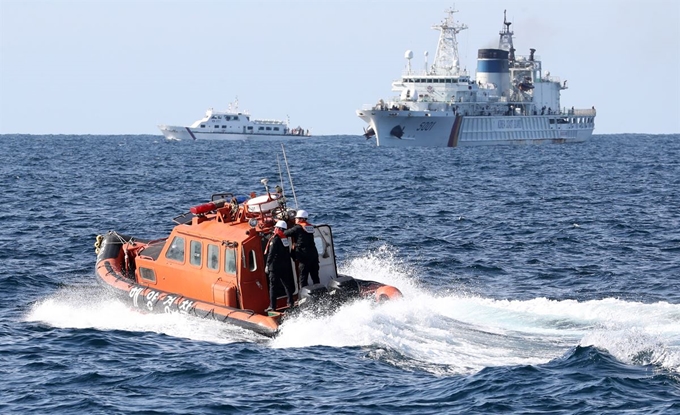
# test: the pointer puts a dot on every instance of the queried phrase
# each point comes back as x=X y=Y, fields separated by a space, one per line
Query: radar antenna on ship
x=446 y=59
x=505 y=42
x=233 y=106
x=408 y=55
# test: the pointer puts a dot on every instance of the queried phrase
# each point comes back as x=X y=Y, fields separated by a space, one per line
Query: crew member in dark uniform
x=305 y=249
x=278 y=267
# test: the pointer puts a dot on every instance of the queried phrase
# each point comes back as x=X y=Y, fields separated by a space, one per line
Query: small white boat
x=233 y=124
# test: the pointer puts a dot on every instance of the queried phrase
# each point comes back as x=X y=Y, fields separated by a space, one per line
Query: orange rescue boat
x=212 y=266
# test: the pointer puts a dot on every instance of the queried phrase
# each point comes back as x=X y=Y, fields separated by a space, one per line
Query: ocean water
x=537 y=279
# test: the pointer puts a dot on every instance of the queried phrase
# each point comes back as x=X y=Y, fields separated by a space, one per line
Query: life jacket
x=306 y=226
x=304 y=243
x=284 y=239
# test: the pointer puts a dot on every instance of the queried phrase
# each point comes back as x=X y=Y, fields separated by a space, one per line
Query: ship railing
x=386 y=107
x=433 y=74
x=549 y=78
x=579 y=112
x=378 y=107
x=527 y=58
x=279 y=122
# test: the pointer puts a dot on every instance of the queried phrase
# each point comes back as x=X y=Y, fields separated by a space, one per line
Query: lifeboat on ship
x=212 y=266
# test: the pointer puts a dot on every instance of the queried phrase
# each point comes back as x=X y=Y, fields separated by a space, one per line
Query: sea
x=537 y=279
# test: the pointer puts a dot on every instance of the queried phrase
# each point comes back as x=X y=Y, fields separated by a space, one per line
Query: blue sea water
x=537 y=279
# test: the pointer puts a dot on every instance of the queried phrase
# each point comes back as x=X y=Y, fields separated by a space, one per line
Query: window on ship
x=230 y=260
x=235 y=118
x=213 y=258
x=252 y=260
x=176 y=250
x=195 y=247
x=147 y=274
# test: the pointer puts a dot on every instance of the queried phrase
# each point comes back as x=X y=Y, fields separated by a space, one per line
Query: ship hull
x=446 y=129
x=109 y=269
x=138 y=272
x=186 y=133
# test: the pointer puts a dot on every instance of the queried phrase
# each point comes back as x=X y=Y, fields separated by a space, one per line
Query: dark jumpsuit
x=305 y=251
x=279 y=267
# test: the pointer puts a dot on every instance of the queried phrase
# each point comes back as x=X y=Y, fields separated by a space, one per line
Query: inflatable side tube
x=111 y=244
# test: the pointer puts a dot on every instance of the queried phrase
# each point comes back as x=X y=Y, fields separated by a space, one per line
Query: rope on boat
x=290 y=179
x=278 y=162
x=100 y=239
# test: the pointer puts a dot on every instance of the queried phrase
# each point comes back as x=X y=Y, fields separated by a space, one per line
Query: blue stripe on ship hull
x=191 y=134
x=455 y=131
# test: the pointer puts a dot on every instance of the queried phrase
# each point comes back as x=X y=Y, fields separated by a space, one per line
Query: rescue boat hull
x=109 y=270
x=114 y=270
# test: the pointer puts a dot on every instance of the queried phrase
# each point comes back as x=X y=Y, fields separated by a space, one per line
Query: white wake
x=440 y=332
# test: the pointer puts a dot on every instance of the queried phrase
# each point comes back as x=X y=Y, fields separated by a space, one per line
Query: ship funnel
x=531 y=54
x=493 y=68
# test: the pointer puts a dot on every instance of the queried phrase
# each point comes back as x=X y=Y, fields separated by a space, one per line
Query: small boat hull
x=147 y=299
x=178 y=133
x=116 y=270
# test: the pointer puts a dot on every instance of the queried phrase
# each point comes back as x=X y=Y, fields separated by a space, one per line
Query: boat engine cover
x=344 y=287
x=312 y=293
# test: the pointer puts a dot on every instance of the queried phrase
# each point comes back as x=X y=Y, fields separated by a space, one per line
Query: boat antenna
x=278 y=162
x=290 y=178
x=264 y=182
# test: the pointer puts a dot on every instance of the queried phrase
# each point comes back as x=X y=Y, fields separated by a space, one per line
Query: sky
x=123 y=67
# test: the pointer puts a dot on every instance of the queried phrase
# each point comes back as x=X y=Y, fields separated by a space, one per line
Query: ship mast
x=505 y=42
x=446 y=59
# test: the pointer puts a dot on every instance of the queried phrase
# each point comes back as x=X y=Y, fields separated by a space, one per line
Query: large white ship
x=232 y=124
x=511 y=100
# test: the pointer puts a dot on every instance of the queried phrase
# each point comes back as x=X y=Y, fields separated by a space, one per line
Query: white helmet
x=302 y=214
x=281 y=224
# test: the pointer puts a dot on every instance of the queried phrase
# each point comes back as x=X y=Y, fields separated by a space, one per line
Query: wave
x=440 y=332
x=91 y=308
x=456 y=332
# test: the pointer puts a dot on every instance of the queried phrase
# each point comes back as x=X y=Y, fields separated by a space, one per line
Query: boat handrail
x=262 y=204
x=278 y=122
x=579 y=112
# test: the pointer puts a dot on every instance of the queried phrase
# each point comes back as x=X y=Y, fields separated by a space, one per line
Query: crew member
x=278 y=267
x=305 y=249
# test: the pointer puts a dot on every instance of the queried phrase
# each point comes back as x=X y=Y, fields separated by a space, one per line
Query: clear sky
x=123 y=67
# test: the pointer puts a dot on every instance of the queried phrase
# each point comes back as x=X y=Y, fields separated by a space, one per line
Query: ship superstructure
x=510 y=100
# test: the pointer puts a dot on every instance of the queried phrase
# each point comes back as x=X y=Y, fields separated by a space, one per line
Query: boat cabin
x=215 y=254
